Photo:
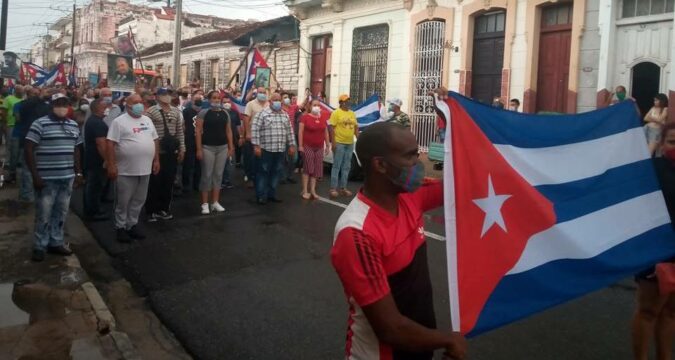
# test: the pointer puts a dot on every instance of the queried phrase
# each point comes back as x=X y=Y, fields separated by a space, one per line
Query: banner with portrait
x=262 y=77
x=124 y=45
x=93 y=79
x=121 y=73
x=11 y=65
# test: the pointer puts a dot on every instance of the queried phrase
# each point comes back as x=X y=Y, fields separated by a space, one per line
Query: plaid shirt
x=272 y=131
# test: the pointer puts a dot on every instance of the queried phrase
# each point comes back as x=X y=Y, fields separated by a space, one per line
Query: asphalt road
x=256 y=283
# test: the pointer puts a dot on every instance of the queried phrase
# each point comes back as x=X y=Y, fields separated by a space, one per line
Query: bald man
x=132 y=152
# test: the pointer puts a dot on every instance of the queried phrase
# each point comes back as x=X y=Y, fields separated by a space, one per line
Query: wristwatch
x=78 y=175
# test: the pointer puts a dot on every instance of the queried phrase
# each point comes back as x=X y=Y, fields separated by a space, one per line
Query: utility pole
x=176 y=43
x=3 y=26
x=72 y=43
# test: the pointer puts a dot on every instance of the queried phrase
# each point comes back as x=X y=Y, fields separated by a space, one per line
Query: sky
x=30 y=19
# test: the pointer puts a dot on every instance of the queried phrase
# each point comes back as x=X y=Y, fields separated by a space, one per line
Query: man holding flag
x=380 y=254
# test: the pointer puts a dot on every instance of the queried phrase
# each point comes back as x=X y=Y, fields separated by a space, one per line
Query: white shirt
x=135 y=150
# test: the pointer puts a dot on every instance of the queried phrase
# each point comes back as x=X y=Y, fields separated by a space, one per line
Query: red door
x=554 y=58
x=318 y=72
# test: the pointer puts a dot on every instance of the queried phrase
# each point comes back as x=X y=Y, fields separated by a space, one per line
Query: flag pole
x=241 y=63
x=138 y=53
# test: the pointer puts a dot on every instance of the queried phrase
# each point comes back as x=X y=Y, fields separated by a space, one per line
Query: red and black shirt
x=376 y=253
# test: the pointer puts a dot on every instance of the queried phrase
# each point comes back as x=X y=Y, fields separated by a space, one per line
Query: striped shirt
x=56 y=141
x=174 y=122
x=272 y=131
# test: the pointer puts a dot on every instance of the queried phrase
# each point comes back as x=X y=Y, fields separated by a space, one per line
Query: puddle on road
x=10 y=314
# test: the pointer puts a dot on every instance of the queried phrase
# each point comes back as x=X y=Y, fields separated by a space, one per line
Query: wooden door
x=318 y=69
x=488 y=56
x=554 y=58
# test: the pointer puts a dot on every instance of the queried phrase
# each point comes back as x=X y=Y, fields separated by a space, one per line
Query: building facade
x=553 y=55
x=214 y=58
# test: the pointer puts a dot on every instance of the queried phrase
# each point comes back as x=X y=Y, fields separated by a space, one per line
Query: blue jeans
x=51 y=208
x=270 y=166
x=13 y=154
x=226 y=172
x=26 y=192
x=342 y=163
x=290 y=163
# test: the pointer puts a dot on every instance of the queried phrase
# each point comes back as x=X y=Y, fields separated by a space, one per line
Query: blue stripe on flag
x=367 y=112
x=577 y=198
x=549 y=130
x=562 y=280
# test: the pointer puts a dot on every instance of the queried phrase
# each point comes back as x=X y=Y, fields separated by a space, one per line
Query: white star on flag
x=492 y=207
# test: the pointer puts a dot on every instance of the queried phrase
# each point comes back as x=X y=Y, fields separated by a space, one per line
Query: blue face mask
x=107 y=99
x=287 y=101
x=137 y=109
x=261 y=97
x=276 y=105
x=410 y=179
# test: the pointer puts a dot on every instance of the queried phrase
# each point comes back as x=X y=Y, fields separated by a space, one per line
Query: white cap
x=395 y=101
x=58 y=95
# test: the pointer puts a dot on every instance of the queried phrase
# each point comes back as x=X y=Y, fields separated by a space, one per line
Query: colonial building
x=553 y=55
x=214 y=58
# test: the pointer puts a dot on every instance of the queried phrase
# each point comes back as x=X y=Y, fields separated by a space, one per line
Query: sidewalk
x=49 y=310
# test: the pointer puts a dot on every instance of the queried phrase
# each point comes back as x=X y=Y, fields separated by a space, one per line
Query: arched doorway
x=488 y=56
x=645 y=84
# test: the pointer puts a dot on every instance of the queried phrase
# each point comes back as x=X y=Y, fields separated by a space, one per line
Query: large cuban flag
x=55 y=77
x=367 y=113
x=545 y=208
x=254 y=61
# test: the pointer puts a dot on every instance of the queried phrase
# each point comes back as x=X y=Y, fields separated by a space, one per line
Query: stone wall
x=589 y=59
x=284 y=63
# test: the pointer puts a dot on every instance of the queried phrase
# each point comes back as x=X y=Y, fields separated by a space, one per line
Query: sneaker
x=217 y=207
x=227 y=185
x=345 y=192
x=123 y=236
x=38 y=255
x=245 y=178
x=154 y=217
x=205 y=209
x=136 y=233
x=59 y=250
x=165 y=215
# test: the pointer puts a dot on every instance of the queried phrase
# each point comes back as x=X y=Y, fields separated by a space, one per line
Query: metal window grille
x=427 y=75
x=369 y=62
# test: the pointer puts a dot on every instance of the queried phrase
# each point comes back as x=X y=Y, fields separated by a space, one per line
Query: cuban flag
x=367 y=113
x=35 y=72
x=56 y=76
x=254 y=61
x=238 y=105
x=545 y=208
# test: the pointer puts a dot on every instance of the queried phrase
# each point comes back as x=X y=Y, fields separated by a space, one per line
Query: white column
x=304 y=61
x=671 y=74
x=336 y=61
x=606 y=29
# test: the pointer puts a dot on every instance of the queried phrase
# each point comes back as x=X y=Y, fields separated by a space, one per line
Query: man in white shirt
x=133 y=153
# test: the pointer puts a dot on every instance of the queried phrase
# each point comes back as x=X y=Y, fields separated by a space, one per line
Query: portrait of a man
x=10 y=65
x=120 y=73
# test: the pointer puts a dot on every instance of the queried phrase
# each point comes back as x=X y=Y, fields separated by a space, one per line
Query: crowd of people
x=139 y=150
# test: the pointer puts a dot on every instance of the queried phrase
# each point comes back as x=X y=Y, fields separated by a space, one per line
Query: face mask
x=513 y=108
x=670 y=155
x=198 y=103
x=410 y=178
x=84 y=107
x=227 y=106
x=215 y=104
x=316 y=110
x=390 y=109
x=276 y=105
x=287 y=101
x=60 y=112
x=137 y=109
x=165 y=99
x=107 y=99
x=621 y=96
x=261 y=97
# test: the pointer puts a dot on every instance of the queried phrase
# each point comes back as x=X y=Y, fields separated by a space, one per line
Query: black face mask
x=199 y=103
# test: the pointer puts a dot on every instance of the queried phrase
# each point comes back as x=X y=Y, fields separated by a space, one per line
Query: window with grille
x=369 y=62
x=633 y=8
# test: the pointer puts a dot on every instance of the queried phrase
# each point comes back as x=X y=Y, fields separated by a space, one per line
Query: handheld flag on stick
x=254 y=61
x=543 y=209
x=367 y=113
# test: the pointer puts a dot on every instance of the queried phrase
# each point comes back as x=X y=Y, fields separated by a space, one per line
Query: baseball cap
x=344 y=97
x=395 y=101
x=58 y=96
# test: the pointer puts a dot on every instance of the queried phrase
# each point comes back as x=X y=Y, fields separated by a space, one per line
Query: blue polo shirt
x=55 y=146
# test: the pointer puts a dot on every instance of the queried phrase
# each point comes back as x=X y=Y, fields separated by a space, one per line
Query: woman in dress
x=313 y=141
x=655 y=119
x=214 y=145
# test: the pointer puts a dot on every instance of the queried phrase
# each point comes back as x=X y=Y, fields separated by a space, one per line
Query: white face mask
x=227 y=106
x=60 y=112
x=316 y=110
x=84 y=107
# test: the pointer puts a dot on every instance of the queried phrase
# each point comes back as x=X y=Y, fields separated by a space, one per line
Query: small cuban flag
x=543 y=209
